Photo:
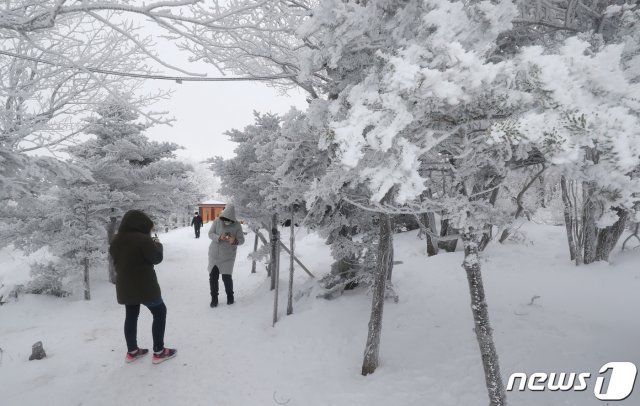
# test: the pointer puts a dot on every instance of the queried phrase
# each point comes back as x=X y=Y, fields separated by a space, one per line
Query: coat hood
x=229 y=212
x=135 y=220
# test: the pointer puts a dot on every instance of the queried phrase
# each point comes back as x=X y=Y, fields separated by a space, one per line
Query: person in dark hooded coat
x=134 y=254
x=196 y=222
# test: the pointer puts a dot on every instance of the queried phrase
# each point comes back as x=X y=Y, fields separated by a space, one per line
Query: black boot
x=213 y=284
x=228 y=288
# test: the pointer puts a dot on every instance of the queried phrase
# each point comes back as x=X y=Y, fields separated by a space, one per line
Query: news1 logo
x=619 y=384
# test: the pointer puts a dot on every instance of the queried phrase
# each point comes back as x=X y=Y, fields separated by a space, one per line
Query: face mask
x=227 y=222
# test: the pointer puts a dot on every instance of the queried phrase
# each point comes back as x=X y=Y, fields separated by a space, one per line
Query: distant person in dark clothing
x=196 y=222
x=134 y=254
x=225 y=234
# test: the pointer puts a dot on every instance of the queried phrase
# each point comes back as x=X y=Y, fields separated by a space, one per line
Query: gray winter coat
x=221 y=253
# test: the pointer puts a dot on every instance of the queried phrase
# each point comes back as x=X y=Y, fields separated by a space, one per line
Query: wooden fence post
x=274 y=249
x=291 y=260
x=255 y=248
x=284 y=247
x=275 y=265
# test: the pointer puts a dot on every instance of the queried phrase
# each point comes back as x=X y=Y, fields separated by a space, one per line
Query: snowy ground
x=233 y=356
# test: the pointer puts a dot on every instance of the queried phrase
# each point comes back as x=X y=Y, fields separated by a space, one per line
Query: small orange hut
x=210 y=210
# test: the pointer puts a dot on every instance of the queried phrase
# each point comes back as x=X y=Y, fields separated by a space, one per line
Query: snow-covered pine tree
x=430 y=92
x=123 y=160
x=586 y=127
x=278 y=162
x=120 y=156
x=45 y=92
x=593 y=224
x=244 y=176
x=304 y=162
x=74 y=234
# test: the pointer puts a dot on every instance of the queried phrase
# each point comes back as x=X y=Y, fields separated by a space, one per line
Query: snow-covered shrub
x=49 y=279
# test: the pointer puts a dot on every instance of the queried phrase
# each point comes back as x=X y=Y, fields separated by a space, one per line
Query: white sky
x=205 y=110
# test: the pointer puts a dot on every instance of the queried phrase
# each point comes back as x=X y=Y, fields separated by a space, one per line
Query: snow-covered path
x=223 y=358
x=232 y=355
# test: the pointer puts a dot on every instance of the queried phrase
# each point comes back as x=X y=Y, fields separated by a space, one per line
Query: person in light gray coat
x=225 y=234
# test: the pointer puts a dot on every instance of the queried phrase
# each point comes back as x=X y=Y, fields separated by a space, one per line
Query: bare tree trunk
x=275 y=238
x=587 y=243
x=291 y=261
x=111 y=231
x=372 y=348
x=609 y=236
x=635 y=233
x=519 y=197
x=486 y=238
x=488 y=235
x=484 y=333
x=390 y=256
x=87 y=288
x=446 y=230
x=589 y=229
x=255 y=248
x=568 y=217
x=541 y=192
x=275 y=272
x=429 y=220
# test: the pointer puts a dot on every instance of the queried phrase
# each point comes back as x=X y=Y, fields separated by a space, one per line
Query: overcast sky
x=205 y=110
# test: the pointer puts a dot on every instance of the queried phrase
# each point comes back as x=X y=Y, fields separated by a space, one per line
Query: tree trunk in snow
x=275 y=271
x=568 y=217
x=446 y=230
x=488 y=235
x=484 y=334
x=111 y=231
x=87 y=289
x=520 y=210
x=275 y=238
x=255 y=248
x=291 y=260
x=390 y=258
x=429 y=221
x=85 y=260
x=587 y=243
x=635 y=233
x=608 y=237
x=589 y=229
x=372 y=348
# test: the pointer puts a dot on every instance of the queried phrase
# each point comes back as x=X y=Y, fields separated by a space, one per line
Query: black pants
x=159 y=312
x=213 y=283
x=197 y=232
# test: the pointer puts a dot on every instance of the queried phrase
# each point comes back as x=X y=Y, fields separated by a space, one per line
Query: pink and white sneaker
x=165 y=354
x=134 y=355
